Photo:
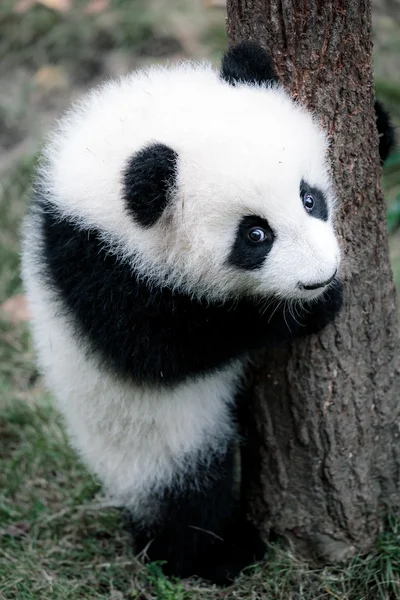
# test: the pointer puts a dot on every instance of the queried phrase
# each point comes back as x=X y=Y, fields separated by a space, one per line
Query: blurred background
x=52 y=545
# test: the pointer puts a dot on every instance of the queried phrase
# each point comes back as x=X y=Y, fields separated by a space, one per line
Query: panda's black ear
x=387 y=136
x=248 y=62
x=148 y=180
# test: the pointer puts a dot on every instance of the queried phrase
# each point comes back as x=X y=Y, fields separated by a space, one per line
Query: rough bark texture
x=324 y=455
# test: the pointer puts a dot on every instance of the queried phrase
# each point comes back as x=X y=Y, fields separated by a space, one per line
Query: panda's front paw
x=192 y=552
x=323 y=311
x=241 y=548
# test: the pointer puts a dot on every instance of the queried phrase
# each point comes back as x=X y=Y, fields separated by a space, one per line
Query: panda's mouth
x=317 y=286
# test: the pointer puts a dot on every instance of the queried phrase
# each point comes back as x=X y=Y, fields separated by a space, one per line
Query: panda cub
x=182 y=218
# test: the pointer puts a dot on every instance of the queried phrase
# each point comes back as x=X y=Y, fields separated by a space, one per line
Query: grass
x=14 y=191
x=57 y=539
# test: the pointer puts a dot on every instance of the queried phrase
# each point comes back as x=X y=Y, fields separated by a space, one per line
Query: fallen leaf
x=59 y=5
x=24 y=5
x=97 y=6
x=215 y=3
x=16 y=309
x=50 y=78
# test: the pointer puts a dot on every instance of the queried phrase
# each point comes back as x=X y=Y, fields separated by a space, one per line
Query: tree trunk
x=323 y=461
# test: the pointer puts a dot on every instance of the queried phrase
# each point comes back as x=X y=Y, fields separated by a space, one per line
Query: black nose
x=320 y=284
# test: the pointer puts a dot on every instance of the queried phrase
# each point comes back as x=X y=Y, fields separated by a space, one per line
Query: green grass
x=14 y=190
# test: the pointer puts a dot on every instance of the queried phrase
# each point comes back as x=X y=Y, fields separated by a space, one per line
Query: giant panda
x=182 y=218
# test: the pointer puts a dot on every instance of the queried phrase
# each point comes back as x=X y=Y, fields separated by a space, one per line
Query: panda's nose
x=316 y=286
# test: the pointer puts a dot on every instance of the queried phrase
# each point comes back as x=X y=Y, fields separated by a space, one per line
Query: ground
x=57 y=539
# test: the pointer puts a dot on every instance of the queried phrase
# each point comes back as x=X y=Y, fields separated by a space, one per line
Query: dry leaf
x=50 y=78
x=97 y=6
x=24 y=5
x=215 y=3
x=16 y=309
x=59 y=5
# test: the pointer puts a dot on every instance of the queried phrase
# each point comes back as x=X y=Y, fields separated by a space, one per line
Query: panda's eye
x=257 y=235
x=308 y=202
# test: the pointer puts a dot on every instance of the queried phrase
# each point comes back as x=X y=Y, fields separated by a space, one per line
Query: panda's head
x=213 y=183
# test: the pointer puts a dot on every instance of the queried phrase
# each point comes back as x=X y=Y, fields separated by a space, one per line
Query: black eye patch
x=253 y=242
x=319 y=207
x=149 y=176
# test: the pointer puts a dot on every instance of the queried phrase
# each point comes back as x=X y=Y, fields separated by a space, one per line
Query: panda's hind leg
x=201 y=530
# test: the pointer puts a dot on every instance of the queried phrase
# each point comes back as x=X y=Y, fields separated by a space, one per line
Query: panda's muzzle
x=316 y=286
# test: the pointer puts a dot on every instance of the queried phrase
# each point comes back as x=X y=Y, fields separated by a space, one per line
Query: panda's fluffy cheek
x=298 y=262
x=276 y=277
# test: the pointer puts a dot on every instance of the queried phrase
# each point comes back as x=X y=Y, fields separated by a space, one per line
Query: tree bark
x=323 y=460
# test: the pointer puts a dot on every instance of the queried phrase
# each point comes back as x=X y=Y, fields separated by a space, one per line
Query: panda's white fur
x=241 y=150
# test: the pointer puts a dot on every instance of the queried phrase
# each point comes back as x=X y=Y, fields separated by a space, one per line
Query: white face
x=254 y=214
x=250 y=163
x=269 y=237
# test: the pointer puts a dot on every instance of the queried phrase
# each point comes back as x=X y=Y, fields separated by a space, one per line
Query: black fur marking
x=148 y=179
x=248 y=62
x=320 y=210
x=387 y=136
x=156 y=336
x=245 y=254
x=201 y=530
